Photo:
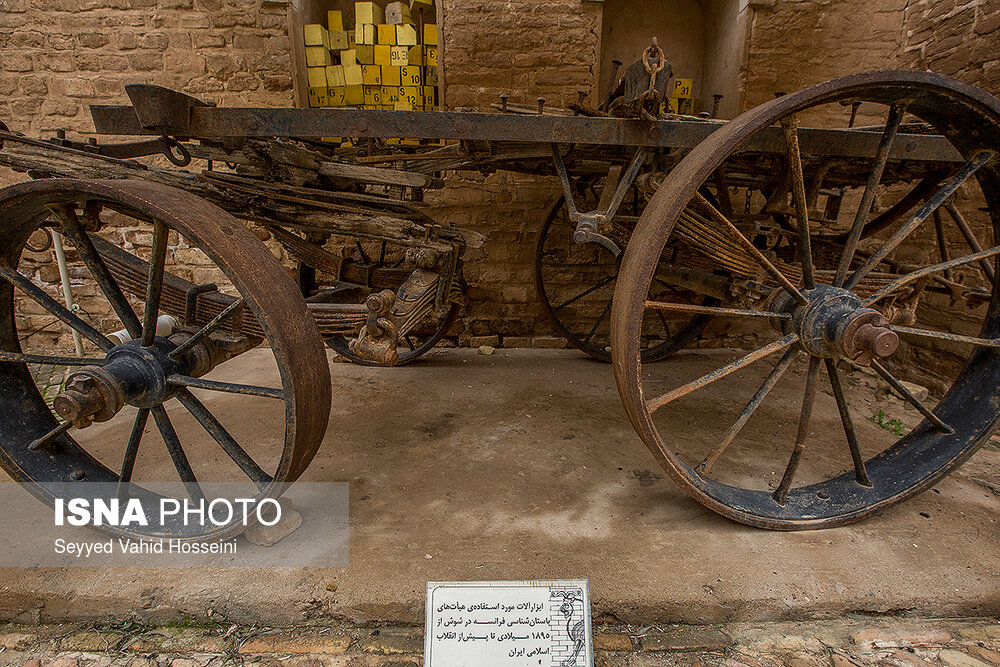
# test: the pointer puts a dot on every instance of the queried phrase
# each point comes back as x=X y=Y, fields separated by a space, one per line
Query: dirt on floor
x=521 y=465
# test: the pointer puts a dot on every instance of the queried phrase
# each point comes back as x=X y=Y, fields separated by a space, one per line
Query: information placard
x=504 y=623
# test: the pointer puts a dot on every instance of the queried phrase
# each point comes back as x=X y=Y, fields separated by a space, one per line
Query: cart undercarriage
x=831 y=244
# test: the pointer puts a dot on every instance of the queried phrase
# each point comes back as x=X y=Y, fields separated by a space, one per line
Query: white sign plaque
x=505 y=623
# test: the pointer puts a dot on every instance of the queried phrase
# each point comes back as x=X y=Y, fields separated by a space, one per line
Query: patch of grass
x=883 y=420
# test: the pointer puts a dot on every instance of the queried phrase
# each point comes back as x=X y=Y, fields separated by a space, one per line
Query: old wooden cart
x=818 y=233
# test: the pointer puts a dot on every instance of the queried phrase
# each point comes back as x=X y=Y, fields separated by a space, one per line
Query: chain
x=653 y=60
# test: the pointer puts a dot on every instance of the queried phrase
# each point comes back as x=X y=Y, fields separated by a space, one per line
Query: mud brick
x=373 y=95
x=415 y=55
x=316 y=76
x=431 y=76
x=406 y=35
x=364 y=33
x=334 y=20
x=386 y=34
x=335 y=76
x=365 y=54
x=685 y=106
x=315 y=34
x=318 y=56
x=368 y=13
x=371 y=75
x=397 y=12
x=399 y=56
x=402 y=105
x=410 y=76
x=354 y=95
x=390 y=76
x=430 y=34
x=682 y=88
x=318 y=97
x=354 y=75
x=349 y=56
x=383 y=55
x=339 y=40
x=390 y=95
x=431 y=56
x=412 y=95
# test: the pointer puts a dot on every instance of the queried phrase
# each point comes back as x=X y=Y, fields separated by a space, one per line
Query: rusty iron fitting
x=91 y=395
x=869 y=337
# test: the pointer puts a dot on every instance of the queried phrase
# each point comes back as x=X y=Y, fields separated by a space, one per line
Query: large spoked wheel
x=914 y=300
x=575 y=285
x=147 y=395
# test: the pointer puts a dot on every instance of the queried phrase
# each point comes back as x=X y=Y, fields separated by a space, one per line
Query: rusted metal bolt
x=380 y=302
x=541 y=105
x=77 y=475
x=503 y=102
x=878 y=341
x=79 y=400
x=717 y=98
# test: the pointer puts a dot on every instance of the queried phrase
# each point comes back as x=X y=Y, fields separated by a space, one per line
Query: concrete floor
x=522 y=465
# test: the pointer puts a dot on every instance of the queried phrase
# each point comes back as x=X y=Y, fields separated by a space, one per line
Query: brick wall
x=546 y=49
x=955 y=38
x=59 y=55
x=798 y=43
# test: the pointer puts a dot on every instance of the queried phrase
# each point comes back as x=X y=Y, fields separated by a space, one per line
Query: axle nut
x=879 y=341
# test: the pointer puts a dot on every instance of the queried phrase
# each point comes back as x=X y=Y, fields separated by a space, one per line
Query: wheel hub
x=131 y=374
x=835 y=324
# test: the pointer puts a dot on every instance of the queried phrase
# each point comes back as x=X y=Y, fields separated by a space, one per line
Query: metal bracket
x=191 y=301
x=164 y=145
x=590 y=227
x=163 y=110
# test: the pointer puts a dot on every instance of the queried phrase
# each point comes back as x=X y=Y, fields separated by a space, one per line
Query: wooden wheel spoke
x=910 y=398
x=780 y=494
x=860 y=472
x=154 y=284
x=655 y=404
x=52 y=360
x=132 y=448
x=409 y=342
x=941 y=335
x=225 y=440
x=589 y=290
x=39 y=295
x=942 y=241
x=896 y=112
x=216 y=322
x=714 y=310
x=225 y=387
x=790 y=128
x=957 y=178
x=929 y=270
x=98 y=269
x=747 y=245
x=779 y=369
x=969 y=237
x=176 y=451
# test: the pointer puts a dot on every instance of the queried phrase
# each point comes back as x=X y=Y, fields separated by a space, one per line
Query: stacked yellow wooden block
x=383 y=63
x=681 y=101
